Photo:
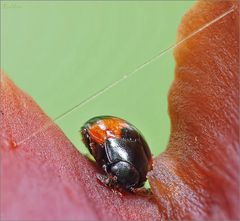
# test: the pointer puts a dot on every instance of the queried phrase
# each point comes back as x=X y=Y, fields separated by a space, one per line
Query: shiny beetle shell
x=119 y=149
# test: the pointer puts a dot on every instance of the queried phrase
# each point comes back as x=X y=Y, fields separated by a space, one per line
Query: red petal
x=198 y=175
x=46 y=177
x=196 y=178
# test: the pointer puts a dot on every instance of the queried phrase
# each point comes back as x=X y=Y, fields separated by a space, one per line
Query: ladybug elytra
x=119 y=149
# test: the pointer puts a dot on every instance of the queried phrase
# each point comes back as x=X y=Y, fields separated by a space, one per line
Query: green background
x=63 y=52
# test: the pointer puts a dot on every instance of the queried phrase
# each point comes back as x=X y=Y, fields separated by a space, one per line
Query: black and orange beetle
x=119 y=149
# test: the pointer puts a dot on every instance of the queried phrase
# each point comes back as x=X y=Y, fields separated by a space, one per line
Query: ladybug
x=119 y=149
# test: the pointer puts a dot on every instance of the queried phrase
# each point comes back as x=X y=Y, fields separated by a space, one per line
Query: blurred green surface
x=63 y=52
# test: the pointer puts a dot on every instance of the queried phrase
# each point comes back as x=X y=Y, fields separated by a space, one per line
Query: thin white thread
x=126 y=76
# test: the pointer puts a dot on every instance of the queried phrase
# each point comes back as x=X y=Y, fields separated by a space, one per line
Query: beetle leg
x=114 y=179
x=108 y=180
x=117 y=191
x=115 y=188
x=104 y=167
x=103 y=179
x=142 y=191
